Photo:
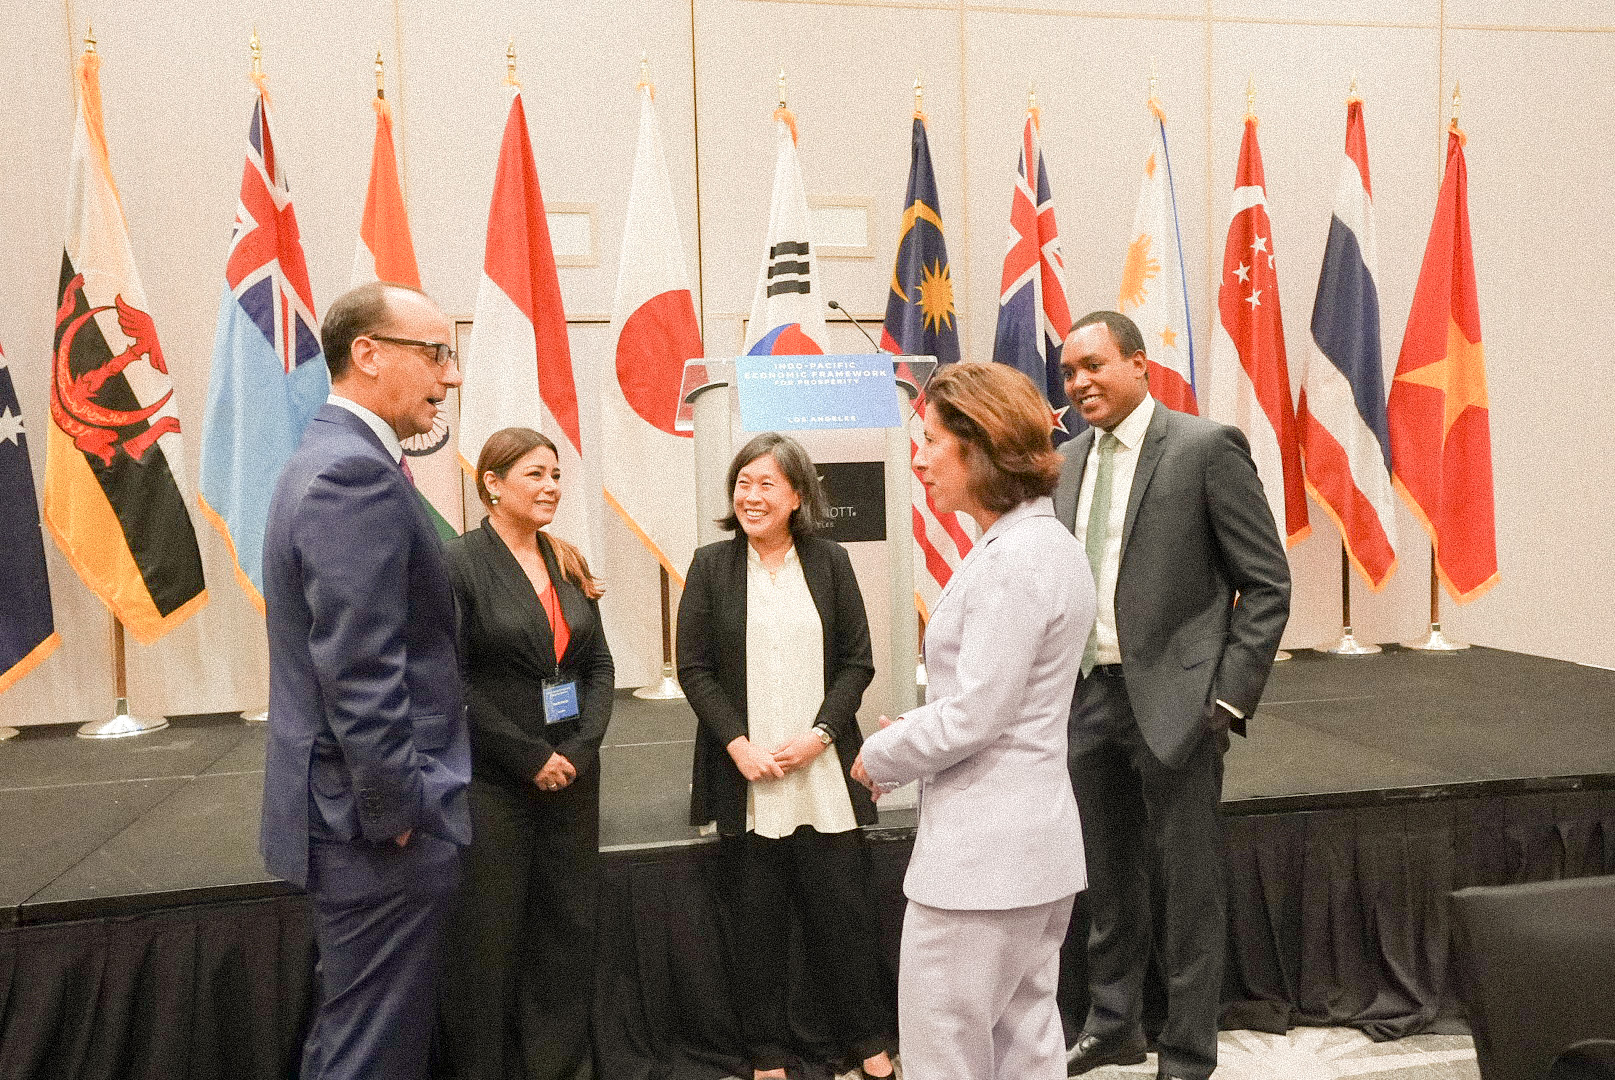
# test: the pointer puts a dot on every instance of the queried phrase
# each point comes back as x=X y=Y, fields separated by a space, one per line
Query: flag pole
x=122 y=723
x=1348 y=645
x=666 y=688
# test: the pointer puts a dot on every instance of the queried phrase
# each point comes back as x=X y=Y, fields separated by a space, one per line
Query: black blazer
x=712 y=669
x=507 y=650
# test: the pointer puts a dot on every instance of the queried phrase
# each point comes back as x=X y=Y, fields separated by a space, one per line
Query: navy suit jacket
x=367 y=737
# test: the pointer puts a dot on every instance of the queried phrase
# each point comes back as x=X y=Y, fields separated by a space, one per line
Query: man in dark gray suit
x=1193 y=594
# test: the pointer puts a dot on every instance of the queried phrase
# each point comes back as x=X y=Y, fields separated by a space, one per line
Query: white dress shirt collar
x=383 y=430
x=1130 y=432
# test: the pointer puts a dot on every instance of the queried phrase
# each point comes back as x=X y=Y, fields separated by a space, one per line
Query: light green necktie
x=1099 y=531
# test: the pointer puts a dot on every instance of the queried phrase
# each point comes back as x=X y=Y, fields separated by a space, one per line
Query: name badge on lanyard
x=560 y=700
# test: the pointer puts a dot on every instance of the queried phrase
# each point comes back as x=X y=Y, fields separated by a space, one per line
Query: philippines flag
x=649 y=475
x=1155 y=291
x=921 y=321
x=1345 y=441
x=27 y=625
x=519 y=365
x=268 y=376
x=787 y=316
x=1250 y=379
x=1033 y=318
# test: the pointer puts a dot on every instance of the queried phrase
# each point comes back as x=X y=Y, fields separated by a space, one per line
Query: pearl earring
x=493 y=499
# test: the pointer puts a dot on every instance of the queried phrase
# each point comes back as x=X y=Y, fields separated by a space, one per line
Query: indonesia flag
x=787 y=315
x=518 y=369
x=1033 y=318
x=1345 y=442
x=1154 y=290
x=649 y=475
x=1250 y=380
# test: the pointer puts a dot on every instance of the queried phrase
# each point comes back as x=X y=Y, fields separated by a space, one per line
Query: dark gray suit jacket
x=1198 y=534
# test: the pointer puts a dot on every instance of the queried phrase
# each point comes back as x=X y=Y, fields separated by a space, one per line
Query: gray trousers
x=975 y=993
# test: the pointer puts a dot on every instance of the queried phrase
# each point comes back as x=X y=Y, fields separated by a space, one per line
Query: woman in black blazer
x=519 y=962
x=754 y=609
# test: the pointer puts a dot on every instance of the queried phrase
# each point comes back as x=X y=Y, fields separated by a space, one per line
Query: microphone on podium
x=860 y=326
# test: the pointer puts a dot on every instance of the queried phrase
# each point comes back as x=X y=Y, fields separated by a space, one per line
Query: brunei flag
x=1440 y=420
x=27 y=628
x=921 y=320
x=519 y=368
x=268 y=376
x=114 y=498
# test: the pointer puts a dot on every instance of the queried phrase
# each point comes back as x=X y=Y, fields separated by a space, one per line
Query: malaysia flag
x=268 y=377
x=1345 y=441
x=1033 y=318
x=1250 y=379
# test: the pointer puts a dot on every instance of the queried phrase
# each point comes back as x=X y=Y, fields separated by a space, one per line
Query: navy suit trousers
x=379 y=912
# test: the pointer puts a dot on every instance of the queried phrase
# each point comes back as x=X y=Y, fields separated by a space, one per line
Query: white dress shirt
x=383 y=430
x=784 y=689
x=1129 y=437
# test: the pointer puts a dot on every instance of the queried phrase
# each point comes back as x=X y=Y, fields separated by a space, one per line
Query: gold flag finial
x=782 y=88
x=1250 y=98
x=381 y=75
x=1457 y=101
x=919 y=96
x=1031 y=107
x=89 y=37
x=256 y=48
x=1154 y=102
x=510 y=64
x=1352 y=95
x=644 y=75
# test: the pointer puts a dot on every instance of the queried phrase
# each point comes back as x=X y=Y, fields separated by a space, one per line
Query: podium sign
x=816 y=393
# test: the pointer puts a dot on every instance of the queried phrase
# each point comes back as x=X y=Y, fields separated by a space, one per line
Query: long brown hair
x=503 y=449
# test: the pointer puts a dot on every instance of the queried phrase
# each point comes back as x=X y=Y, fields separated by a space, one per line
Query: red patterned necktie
x=403 y=463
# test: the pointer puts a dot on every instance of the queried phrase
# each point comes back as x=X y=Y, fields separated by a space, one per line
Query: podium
x=881 y=551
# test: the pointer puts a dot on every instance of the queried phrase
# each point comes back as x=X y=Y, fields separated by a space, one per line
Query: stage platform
x=113 y=827
x=140 y=936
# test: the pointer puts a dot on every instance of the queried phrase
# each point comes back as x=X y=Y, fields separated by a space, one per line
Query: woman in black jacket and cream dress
x=520 y=960
x=777 y=736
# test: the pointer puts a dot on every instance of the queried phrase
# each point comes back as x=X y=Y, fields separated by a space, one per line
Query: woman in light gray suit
x=994 y=869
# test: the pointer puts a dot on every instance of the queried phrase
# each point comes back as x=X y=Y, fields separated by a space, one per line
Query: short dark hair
x=1123 y=331
x=361 y=310
x=799 y=472
x=996 y=409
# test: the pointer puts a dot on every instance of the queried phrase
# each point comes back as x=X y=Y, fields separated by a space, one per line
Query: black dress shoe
x=1093 y=1051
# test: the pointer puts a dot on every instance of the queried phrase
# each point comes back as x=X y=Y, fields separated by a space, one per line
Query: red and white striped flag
x=519 y=364
x=650 y=474
x=1250 y=380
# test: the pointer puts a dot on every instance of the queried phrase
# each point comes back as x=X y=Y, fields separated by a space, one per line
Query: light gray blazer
x=998 y=822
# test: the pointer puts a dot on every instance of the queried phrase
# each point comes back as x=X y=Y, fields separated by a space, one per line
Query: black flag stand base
x=122 y=724
x=1348 y=645
x=666 y=688
x=1437 y=641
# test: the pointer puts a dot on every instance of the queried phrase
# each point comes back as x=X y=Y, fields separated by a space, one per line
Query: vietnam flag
x=518 y=369
x=114 y=491
x=650 y=474
x=1441 y=442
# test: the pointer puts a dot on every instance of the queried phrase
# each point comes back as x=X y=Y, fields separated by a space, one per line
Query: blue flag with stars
x=920 y=317
x=27 y=627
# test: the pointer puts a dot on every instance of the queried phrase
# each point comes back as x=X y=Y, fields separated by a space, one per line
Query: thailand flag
x=787 y=314
x=268 y=376
x=1033 y=318
x=1345 y=440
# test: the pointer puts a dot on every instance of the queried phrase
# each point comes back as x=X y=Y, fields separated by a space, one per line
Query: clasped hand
x=556 y=774
x=861 y=775
x=756 y=764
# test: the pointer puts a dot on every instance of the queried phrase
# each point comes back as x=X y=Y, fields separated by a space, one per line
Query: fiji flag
x=1345 y=439
x=27 y=628
x=268 y=376
x=1033 y=318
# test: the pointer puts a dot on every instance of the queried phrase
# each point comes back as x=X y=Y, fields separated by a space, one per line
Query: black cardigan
x=507 y=650
x=712 y=669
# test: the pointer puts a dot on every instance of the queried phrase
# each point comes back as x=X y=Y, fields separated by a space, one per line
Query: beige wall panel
x=850 y=73
x=1302 y=74
x=1092 y=84
x=1335 y=12
x=1540 y=192
x=1549 y=13
x=1099 y=9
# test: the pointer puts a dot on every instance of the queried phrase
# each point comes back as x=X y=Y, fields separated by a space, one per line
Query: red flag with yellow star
x=1441 y=443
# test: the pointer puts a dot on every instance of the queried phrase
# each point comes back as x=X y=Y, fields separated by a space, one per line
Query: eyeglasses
x=442 y=355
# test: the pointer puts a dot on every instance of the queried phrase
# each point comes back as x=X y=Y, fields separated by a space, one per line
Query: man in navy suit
x=368 y=756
